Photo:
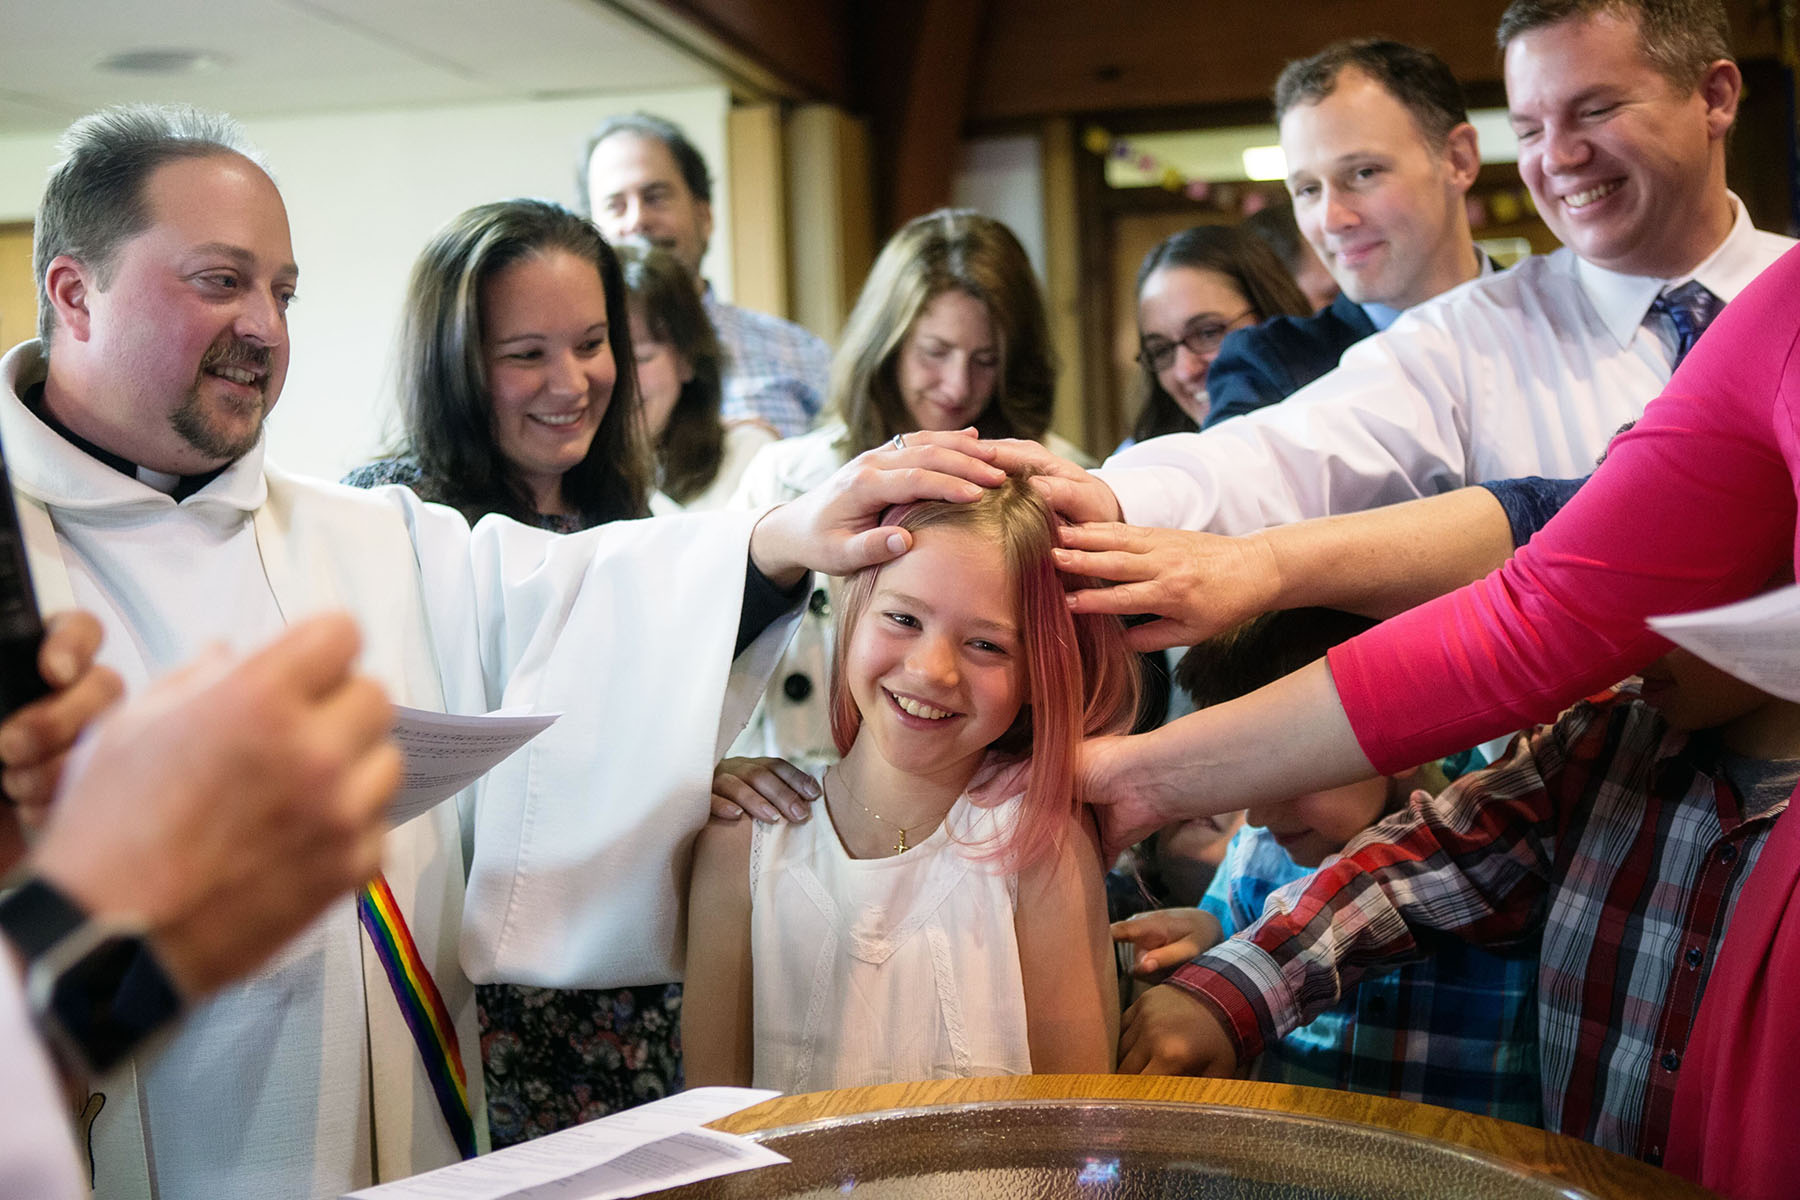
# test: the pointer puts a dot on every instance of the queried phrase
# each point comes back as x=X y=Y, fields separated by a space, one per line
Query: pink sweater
x=1694 y=507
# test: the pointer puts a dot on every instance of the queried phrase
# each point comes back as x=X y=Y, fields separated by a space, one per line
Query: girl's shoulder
x=979 y=816
x=724 y=846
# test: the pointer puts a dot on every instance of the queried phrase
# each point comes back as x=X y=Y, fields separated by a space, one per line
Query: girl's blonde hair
x=1080 y=678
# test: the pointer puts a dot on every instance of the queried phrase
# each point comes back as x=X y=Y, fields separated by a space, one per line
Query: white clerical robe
x=565 y=866
x=37 y=1156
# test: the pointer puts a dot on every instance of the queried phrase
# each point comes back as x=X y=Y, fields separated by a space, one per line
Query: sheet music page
x=1757 y=640
x=446 y=753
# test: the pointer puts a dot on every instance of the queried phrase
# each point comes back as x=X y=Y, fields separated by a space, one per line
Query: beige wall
x=830 y=215
x=18 y=289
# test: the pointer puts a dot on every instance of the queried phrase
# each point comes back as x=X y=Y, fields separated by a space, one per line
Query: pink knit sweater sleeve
x=1693 y=507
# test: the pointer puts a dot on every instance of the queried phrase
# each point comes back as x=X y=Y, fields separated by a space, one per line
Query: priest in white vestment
x=133 y=434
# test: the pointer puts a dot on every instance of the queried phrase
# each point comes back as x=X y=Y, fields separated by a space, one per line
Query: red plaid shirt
x=1611 y=837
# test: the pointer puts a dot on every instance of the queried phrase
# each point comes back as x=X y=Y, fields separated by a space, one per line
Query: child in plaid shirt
x=1459 y=1030
x=1618 y=839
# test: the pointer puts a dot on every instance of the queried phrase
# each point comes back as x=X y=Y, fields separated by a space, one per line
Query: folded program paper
x=645 y=1149
x=1757 y=640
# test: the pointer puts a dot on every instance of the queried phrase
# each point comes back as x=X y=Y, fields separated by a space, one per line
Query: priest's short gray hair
x=94 y=201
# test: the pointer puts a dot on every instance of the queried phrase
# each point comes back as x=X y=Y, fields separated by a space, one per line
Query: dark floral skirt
x=553 y=1058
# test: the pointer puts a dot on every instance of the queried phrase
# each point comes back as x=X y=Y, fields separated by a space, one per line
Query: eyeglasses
x=1158 y=354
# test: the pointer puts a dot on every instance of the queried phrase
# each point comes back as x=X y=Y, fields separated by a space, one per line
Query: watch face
x=112 y=998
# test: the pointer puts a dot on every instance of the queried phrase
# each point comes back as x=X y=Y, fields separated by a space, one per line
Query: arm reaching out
x=1276 y=743
x=1376 y=563
x=1166 y=938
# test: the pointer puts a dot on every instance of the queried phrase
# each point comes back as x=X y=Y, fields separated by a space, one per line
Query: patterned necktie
x=1690 y=308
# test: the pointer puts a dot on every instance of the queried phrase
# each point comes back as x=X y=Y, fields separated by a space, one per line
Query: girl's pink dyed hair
x=1080 y=678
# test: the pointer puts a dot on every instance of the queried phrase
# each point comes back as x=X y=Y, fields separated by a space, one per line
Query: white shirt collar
x=49 y=468
x=1623 y=300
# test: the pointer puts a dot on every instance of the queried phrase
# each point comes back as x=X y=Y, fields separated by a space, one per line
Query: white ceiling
x=286 y=57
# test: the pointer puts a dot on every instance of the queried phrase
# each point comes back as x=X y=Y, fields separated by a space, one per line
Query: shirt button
x=1727 y=854
x=1670 y=1060
x=1693 y=957
x=796 y=687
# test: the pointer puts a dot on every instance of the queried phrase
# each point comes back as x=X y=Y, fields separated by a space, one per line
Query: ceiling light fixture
x=162 y=62
x=1265 y=162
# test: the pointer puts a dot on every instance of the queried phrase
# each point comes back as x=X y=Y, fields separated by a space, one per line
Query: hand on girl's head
x=1199 y=584
x=1071 y=491
x=836 y=527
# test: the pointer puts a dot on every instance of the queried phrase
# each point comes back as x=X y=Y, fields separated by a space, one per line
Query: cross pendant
x=900 y=846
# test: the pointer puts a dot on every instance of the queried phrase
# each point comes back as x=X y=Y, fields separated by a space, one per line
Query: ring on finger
x=899 y=442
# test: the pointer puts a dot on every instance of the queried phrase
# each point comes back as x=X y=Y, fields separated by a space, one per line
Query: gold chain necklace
x=900 y=846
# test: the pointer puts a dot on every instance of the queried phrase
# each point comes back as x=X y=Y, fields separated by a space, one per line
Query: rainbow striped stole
x=421 y=1005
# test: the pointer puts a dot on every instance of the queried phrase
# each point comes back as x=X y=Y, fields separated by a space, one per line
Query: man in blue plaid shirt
x=644 y=179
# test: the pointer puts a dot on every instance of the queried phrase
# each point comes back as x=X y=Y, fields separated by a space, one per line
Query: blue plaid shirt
x=1458 y=1029
x=775 y=371
x=1615 y=843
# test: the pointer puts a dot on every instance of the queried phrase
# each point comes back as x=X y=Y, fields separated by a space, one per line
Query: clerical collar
x=177 y=487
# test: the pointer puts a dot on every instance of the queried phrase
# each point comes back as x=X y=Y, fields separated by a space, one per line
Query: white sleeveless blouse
x=879 y=970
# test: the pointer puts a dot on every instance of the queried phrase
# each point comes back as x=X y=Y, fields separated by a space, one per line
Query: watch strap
x=94 y=986
x=36 y=916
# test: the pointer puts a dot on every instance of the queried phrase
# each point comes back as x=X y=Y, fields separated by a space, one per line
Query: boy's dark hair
x=1680 y=38
x=1417 y=78
x=1262 y=650
x=688 y=160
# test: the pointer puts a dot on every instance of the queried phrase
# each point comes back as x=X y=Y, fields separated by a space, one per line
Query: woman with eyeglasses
x=1195 y=287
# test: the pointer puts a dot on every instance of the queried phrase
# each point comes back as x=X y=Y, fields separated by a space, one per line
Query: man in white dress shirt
x=1622 y=108
x=133 y=431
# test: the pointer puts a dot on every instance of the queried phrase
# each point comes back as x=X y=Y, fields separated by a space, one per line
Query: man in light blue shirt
x=644 y=179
